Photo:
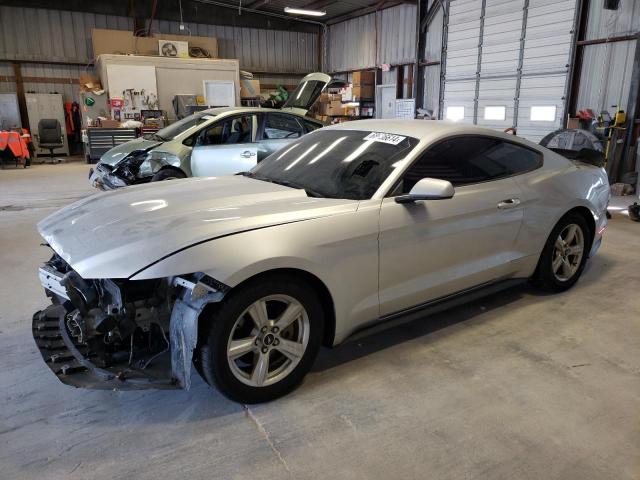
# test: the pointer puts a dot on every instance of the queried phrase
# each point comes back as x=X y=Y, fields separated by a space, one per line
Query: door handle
x=509 y=203
x=247 y=154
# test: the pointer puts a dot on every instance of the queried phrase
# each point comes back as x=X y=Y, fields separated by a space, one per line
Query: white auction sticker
x=385 y=138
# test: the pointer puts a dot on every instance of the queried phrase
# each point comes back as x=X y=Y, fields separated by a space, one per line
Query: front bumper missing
x=72 y=364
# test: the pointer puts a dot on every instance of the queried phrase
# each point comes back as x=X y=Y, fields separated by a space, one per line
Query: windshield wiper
x=284 y=183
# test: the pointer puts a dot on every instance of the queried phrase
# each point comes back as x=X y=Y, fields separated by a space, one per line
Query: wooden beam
x=22 y=101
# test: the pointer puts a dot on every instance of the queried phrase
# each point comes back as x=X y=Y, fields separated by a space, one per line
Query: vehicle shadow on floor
x=436 y=324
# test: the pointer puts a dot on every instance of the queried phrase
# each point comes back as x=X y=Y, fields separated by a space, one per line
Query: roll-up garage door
x=507 y=63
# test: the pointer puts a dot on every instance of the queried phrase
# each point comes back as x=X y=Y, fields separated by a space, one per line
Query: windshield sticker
x=385 y=138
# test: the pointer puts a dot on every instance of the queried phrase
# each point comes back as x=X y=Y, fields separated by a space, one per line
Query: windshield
x=172 y=131
x=336 y=163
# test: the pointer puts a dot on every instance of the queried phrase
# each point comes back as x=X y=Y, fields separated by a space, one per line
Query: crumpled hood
x=115 y=234
x=117 y=153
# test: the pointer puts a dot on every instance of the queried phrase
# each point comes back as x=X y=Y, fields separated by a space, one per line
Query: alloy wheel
x=567 y=253
x=268 y=340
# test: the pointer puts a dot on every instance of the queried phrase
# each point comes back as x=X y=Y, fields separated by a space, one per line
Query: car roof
x=424 y=129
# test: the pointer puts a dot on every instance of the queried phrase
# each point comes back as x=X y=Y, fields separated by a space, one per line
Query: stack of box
x=364 y=85
x=329 y=104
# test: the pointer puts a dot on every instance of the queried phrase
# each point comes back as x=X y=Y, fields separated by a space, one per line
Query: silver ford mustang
x=346 y=230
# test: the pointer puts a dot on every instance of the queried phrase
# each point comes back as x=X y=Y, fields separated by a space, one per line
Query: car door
x=226 y=147
x=434 y=248
x=278 y=130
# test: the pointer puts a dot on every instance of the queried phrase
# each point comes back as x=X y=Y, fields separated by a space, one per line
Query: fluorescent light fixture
x=495 y=113
x=304 y=11
x=455 y=113
x=545 y=113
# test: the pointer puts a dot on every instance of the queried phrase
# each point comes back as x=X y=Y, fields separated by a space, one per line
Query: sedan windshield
x=172 y=131
x=347 y=164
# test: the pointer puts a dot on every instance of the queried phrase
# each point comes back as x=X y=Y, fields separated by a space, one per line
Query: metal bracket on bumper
x=184 y=332
x=71 y=363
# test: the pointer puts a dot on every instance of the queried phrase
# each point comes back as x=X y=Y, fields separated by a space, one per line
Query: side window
x=467 y=160
x=281 y=126
x=228 y=132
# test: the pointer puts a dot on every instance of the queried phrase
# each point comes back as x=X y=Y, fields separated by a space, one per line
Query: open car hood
x=118 y=233
x=306 y=93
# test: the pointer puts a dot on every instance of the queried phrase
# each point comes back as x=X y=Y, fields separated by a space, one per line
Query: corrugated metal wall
x=606 y=68
x=492 y=61
x=62 y=36
x=352 y=44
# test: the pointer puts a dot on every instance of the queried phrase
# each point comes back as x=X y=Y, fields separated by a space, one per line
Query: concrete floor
x=517 y=386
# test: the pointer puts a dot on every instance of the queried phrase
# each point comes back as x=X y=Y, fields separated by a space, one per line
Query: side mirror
x=428 y=189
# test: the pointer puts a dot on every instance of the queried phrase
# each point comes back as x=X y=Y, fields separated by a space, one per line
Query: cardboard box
x=364 y=77
x=366 y=92
x=109 y=124
x=335 y=108
x=122 y=42
x=573 y=122
x=210 y=44
x=173 y=48
x=249 y=88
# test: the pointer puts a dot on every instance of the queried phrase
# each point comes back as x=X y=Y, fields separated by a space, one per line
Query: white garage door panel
x=540 y=91
x=497 y=93
x=544 y=50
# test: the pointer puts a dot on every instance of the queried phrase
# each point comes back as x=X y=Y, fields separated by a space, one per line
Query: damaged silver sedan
x=347 y=229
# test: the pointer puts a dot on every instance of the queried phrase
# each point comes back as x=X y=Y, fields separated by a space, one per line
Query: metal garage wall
x=397 y=35
x=606 y=68
x=352 y=44
x=6 y=71
x=508 y=53
x=62 y=36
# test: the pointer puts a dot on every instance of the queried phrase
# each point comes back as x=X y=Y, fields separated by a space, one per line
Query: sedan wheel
x=568 y=251
x=268 y=340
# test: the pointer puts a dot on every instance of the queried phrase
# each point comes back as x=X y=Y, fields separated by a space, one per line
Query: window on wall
x=543 y=113
x=495 y=113
x=472 y=159
x=455 y=113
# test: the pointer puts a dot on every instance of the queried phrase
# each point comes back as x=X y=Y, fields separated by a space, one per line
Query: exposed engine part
x=115 y=330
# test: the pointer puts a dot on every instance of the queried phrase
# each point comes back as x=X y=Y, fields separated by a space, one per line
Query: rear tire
x=168 y=174
x=262 y=340
x=564 y=255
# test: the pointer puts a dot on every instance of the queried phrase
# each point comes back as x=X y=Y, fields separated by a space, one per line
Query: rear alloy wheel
x=564 y=255
x=263 y=340
x=567 y=252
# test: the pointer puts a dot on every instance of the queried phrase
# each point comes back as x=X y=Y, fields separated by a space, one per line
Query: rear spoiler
x=584 y=155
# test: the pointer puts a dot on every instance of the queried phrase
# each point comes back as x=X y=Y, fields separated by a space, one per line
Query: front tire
x=168 y=174
x=263 y=339
x=564 y=255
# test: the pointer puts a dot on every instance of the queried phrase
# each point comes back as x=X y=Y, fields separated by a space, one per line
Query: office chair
x=50 y=135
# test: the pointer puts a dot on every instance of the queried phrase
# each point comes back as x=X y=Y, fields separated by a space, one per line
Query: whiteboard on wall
x=122 y=79
x=219 y=93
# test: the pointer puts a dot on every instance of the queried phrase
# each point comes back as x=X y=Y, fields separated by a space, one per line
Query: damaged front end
x=135 y=168
x=121 y=334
